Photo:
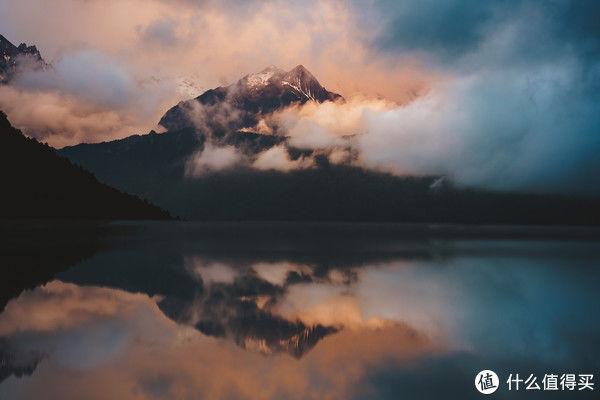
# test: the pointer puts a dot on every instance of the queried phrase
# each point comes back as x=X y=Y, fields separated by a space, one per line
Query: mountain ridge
x=244 y=102
x=38 y=183
x=12 y=57
x=154 y=166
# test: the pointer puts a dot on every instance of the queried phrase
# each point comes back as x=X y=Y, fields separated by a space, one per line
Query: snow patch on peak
x=262 y=78
x=297 y=85
x=188 y=87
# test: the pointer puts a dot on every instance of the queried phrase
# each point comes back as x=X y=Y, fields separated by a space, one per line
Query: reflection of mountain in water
x=172 y=260
x=231 y=310
x=154 y=260
x=33 y=252
x=15 y=362
x=305 y=340
x=222 y=313
x=259 y=286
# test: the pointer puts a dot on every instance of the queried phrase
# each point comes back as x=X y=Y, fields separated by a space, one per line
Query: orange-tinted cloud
x=173 y=52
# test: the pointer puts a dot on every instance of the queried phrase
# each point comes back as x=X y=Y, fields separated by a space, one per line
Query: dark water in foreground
x=306 y=311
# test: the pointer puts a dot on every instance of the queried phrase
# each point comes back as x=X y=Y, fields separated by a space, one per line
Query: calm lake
x=181 y=310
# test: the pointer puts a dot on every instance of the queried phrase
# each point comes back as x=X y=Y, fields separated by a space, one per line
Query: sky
x=499 y=94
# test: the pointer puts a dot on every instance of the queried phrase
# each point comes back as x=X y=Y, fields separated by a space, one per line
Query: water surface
x=306 y=311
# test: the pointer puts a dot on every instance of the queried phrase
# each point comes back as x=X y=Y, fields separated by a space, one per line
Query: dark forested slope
x=38 y=183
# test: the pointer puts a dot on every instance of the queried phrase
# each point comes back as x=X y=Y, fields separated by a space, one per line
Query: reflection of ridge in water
x=227 y=280
x=231 y=310
x=15 y=362
x=167 y=315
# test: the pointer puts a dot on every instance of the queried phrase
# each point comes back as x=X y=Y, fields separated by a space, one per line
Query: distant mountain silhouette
x=243 y=103
x=38 y=183
x=11 y=57
x=154 y=166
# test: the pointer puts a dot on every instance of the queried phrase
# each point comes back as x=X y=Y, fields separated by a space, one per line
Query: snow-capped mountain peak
x=303 y=82
x=252 y=96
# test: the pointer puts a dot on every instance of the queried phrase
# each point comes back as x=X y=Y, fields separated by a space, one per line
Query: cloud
x=278 y=158
x=508 y=130
x=500 y=129
x=161 y=32
x=124 y=53
x=91 y=76
x=497 y=129
x=86 y=96
x=63 y=120
x=512 y=112
x=496 y=94
x=519 y=108
x=212 y=158
x=445 y=28
x=451 y=31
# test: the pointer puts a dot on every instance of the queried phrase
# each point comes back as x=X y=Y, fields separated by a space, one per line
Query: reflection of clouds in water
x=237 y=303
x=160 y=358
x=209 y=272
x=402 y=324
x=278 y=273
x=481 y=304
x=111 y=319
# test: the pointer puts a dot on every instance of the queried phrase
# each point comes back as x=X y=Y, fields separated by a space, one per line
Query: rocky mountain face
x=241 y=104
x=154 y=166
x=12 y=57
